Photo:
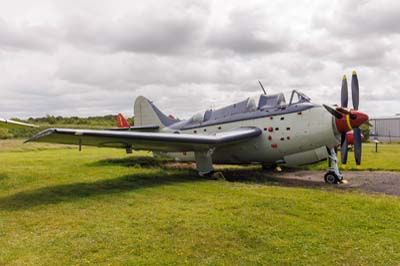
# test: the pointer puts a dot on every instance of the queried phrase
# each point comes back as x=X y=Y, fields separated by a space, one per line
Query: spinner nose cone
x=359 y=119
x=352 y=119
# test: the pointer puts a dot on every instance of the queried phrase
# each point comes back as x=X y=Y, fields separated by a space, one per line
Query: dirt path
x=367 y=181
x=370 y=182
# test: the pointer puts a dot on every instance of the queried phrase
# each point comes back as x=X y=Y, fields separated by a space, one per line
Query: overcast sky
x=95 y=57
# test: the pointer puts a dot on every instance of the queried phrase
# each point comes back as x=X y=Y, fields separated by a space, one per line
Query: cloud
x=249 y=31
x=94 y=57
x=355 y=19
x=27 y=37
x=160 y=30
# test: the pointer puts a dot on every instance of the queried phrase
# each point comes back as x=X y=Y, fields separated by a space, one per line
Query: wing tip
x=41 y=134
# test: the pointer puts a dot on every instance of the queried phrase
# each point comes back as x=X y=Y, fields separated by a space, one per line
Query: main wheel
x=331 y=178
x=268 y=167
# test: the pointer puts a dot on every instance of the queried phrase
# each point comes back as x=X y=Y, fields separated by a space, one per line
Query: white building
x=385 y=129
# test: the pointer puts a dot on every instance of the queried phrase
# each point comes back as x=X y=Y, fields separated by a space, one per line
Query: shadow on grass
x=3 y=176
x=270 y=177
x=75 y=191
x=135 y=161
x=250 y=175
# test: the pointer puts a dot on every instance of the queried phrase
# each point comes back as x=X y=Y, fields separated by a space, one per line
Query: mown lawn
x=101 y=207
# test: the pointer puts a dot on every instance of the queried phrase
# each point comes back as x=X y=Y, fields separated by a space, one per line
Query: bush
x=5 y=134
x=365 y=129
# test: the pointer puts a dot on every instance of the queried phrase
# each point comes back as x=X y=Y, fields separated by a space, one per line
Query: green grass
x=17 y=145
x=386 y=159
x=101 y=207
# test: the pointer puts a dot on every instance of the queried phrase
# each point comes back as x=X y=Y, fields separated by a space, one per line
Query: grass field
x=59 y=206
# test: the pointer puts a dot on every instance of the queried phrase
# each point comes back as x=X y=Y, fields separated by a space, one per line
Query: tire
x=331 y=178
x=206 y=174
x=268 y=167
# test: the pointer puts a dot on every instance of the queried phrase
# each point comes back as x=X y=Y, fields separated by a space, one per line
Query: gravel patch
x=367 y=181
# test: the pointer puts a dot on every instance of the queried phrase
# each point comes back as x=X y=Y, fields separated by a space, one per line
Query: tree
x=365 y=129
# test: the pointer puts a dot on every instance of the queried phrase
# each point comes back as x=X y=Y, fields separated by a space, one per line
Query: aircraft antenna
x=262 y=87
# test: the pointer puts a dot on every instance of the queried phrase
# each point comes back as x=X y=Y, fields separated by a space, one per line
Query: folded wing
x=168 y=142
x=4 y=123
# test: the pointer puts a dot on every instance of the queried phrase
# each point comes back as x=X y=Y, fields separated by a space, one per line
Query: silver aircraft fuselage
x=294 y=138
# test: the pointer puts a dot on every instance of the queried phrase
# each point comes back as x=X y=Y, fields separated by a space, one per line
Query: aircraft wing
x=168 y=142
x=135 y=128
x=4 y=123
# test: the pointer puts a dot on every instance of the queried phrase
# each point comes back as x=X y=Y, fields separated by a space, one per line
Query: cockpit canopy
x=265 y=102
x=271 y=101
x=245 y=106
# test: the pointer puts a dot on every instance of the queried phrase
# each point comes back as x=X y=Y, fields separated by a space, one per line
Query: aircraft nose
x=351 y=120
x=359 y=119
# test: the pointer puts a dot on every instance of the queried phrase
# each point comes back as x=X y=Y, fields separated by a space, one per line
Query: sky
x=90 y=57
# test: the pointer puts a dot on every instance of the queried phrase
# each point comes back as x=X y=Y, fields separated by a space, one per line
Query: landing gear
x=268 y=167
x=215 y=175
x=204 y=162
x=333 y=176
x=206 y=174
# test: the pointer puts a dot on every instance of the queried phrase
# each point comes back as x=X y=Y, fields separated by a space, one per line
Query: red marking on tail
x=122 y=122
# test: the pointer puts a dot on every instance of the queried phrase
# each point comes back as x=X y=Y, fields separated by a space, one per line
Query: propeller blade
x=342 y=110
x=344 y=148
x=357 y=145
x=347 y=112
x=333 y=111
x=355 y=93
x=345 y=92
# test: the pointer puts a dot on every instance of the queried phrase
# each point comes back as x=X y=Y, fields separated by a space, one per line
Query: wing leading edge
x=169 y=142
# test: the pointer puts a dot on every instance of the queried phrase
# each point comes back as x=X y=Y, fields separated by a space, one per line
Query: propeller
x=349 y=119
x=343 y=148
x=357 y=145
x=355 y=96
x=355 y=91
x=333 y=111
x=344 y=92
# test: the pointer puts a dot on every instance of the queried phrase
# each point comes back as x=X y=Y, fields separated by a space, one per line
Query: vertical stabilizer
x=146 y=113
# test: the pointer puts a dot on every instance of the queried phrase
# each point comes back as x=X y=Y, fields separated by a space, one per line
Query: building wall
x=385 y=129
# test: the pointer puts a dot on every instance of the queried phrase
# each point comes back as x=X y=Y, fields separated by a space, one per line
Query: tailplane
x=146 y=113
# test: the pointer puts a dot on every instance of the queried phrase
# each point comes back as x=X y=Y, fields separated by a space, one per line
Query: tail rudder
x=122 y=122
x=146 y=113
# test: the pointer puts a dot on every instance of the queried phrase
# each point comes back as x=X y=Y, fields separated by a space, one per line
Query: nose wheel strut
x=333 y=176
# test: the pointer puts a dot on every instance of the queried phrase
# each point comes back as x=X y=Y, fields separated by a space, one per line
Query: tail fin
x=122 y=122
x=146 y=113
